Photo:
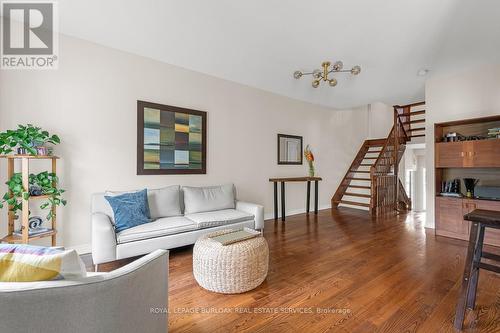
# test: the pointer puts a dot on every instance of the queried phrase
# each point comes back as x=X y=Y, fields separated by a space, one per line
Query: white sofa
x=130 y=299
x=177 y=220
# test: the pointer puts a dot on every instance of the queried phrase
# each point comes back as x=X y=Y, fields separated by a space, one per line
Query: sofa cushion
x=129 y=209
x=164 y=202
x=220 y=217
x=206 y=199
x=161 y=227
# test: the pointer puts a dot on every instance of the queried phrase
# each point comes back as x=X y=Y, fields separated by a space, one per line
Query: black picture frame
x=288 y=136
x=141 y=170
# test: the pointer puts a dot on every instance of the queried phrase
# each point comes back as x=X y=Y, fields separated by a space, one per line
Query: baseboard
x=81 y=249
x=270 y=216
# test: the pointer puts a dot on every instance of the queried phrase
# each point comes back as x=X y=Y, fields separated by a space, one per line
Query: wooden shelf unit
x=472 y=159
x=25 y=165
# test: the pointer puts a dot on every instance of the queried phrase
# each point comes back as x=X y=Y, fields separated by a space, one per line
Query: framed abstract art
x=170 y=140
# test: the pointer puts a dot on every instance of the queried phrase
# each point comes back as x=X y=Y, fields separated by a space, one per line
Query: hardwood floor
x=342 y=271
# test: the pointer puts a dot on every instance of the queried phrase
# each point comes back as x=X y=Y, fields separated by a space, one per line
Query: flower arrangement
x=310 y=160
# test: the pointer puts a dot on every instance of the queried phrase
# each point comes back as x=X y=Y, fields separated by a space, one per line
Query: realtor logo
x=29 y=38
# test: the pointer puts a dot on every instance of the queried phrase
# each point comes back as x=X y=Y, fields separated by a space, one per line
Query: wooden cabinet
x=485 y=153
x=479 y=159
x=450 y=154
x=468 y=154
x=450 y=222
x=449 y=218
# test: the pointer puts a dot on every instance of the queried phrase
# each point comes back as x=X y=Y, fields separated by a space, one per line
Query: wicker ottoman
x=230 y=269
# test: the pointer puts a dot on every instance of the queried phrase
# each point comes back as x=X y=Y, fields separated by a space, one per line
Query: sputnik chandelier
x=322 y=75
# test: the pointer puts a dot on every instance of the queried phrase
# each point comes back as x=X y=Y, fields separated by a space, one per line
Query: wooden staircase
x=372 y=182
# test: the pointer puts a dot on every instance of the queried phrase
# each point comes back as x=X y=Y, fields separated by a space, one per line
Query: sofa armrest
x=103 y=239
x=256 y=210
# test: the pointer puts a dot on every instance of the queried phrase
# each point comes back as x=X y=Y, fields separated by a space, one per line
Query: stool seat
x=481 y=219
x=489 y=218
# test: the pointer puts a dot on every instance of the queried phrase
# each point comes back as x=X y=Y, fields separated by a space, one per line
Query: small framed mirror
x=289 y=149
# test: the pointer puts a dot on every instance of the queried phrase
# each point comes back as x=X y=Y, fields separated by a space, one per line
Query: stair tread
x=414 y=121
x=361 y=195
x=417 y=129
x=360 y=186
x=416 y=113
x=417 y=136
x=354 y=203
x=357 y=178
x=370 y=158
x=373 y=151
x=359 y=171
x=365 y=164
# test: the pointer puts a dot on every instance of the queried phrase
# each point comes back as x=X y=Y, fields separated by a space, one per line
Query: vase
x=311 y=169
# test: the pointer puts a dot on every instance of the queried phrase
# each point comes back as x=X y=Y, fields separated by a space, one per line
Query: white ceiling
x=260 y=43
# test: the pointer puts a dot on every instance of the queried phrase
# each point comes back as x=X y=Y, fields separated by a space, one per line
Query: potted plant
x=45 y=184
x=25 y=140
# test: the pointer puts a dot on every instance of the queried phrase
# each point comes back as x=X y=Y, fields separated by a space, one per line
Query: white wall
x=90 y=101
x=470 y=93
x=380 y=120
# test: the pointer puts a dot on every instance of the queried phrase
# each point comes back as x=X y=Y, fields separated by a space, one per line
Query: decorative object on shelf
x=494 y=133
x=35 y=190
x=170 y=140
x=34 y=222
x=451 y=188
x=42 y=151
x=44 y=183
x=323 y=75
x=26 y=140
x=470 y=184
x=289 y=149
x=310 y=160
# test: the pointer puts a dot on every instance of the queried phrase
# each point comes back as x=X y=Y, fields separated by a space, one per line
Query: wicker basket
x=230 y=269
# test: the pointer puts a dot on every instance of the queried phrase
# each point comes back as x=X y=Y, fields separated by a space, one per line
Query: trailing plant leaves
x=47 y=181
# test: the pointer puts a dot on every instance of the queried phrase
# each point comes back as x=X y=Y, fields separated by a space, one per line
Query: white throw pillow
x=207 y=199
x=163 y=202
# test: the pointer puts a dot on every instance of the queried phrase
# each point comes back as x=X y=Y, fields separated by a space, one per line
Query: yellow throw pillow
x=27 y=263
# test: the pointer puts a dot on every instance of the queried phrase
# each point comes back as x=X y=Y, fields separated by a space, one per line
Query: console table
x=308 y=180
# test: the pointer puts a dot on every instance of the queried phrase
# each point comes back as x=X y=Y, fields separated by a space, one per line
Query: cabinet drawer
x=449 y=218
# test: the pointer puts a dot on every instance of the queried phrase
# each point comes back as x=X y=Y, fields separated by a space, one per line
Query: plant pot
x=42 y=151
x=22 y=151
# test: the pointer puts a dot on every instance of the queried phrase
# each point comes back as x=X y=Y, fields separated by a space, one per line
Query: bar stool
x=481 y=219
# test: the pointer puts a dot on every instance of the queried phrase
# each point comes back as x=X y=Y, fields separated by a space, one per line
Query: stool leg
x=462 y=298
x=471 y=292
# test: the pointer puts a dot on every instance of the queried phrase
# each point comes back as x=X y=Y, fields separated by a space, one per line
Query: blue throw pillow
x=130 y=209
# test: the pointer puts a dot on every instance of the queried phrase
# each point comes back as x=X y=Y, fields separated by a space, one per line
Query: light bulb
x=338 y=65
x=332 y=82
x=315 y=83
x=317 y=74
x=355 y=70
x=297 y=74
